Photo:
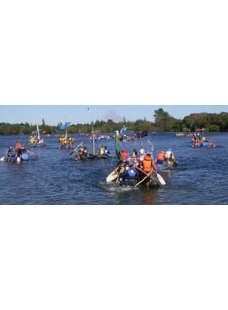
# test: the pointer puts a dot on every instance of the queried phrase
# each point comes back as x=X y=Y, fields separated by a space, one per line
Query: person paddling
x=10 y=154
x=148 y=164
x=20 y=149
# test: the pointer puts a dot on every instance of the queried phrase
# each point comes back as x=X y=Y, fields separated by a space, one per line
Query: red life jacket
x=18 y=145
x=124 y=155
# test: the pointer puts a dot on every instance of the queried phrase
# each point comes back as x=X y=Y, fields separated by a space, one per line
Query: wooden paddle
x=147 y=176
x=2 y=158
x=159 y=177
x=76 y=148
x=112 y=176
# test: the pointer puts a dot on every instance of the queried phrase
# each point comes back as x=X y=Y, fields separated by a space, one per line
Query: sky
x=54 y=114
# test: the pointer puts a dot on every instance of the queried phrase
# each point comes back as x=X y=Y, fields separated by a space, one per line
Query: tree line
x=163 y=122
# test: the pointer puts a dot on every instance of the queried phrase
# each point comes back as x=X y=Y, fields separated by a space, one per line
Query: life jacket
x=147 y=163
x=18 y=145
x=124 y=155
x=161 y=156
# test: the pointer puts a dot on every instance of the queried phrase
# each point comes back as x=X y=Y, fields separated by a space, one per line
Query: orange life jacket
x=147 y=164
x=161 y=156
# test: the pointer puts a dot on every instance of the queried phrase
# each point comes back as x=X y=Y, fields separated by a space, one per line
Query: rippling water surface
x=55 y=178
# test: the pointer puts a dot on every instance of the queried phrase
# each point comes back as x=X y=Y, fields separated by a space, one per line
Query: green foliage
x=163 y=122
x=207 y=120
x=213 y=128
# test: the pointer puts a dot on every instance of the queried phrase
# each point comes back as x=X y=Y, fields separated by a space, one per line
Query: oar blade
x=160 y=179
x=112 y=176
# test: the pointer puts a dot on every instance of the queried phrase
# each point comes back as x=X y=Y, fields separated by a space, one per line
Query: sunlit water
x=53 y=177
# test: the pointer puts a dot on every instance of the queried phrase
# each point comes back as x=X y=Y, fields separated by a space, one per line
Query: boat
x=35 y=139
x=168 y=162
x=81 y=152
x=129 y=170
x=198 y=142
x=180 y=134
x=19 y=154
x=65 y=141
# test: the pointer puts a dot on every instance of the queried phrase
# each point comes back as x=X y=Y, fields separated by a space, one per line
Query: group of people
x=199 y=141
x=103 y=150
x=66 y=142
x=133 y=167
x=15 y=153
x=166 y=158
x=82 y=152
x=35 y=140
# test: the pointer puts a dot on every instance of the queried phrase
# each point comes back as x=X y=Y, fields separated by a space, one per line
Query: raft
x=142 y=179
x=23 y=157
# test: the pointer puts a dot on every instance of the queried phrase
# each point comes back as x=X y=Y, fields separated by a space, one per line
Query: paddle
x=112 y=176
x=159 y=177
x=147 y=176
x=76 y=148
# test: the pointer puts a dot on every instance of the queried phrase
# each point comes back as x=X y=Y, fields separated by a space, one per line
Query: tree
x=161 y=119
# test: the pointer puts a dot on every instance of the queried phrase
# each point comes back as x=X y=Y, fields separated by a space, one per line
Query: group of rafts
x=140 y=169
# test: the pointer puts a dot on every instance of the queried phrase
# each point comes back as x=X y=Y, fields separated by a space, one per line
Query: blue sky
x=53 y=114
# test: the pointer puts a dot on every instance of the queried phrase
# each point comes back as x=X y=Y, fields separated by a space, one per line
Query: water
x=55 y=178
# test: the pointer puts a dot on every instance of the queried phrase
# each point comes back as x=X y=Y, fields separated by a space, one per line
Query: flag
x=65 y=126
x=117 y=145
x=123 y=130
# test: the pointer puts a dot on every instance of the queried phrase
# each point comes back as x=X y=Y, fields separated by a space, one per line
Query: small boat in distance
x=65 y=141
x=199 y=141
x=35 y=139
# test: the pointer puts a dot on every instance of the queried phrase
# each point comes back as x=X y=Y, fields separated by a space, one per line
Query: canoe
x=149 y=180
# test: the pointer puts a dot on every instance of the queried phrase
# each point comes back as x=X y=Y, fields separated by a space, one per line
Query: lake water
x=55 y=178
